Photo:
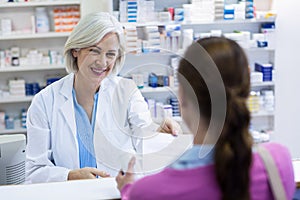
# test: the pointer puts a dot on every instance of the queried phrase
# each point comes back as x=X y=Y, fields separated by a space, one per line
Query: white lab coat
x=52 y=149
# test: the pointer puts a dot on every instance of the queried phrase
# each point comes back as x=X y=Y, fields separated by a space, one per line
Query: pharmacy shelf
x=34 y=36
x=180 y=52
x=31 y=68
x=12 y=99
x=38 y=3
x=263 y=84
x=157 y=23
x=240 y=21
x=178 y=119
x=158 y=89
x=12 y=131
x=256 y=49
x=263 y=114
x=162 y=52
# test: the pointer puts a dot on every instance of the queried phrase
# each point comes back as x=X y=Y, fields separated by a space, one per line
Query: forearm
x=43 y=173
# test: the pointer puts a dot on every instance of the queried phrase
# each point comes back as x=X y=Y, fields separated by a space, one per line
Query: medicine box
x=266 y=69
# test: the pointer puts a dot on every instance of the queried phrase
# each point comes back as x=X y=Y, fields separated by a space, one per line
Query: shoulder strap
x=273 y=174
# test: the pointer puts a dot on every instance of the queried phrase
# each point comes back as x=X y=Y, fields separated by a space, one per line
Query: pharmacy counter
x=104 y=188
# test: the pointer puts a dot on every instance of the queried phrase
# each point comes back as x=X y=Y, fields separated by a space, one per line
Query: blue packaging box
x=266 y=70
x=263 y=67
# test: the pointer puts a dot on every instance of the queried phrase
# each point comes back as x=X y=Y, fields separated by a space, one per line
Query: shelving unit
x=150 y=90
x=263 y=114
x=216 y=22
x=12 y=131
x=160 y=62
x=235 y=21
x=20 y=13
x=34 y=36
x=31 y=68
x=12 y=99
x=263 y=84
x=156 y=62
x=36 y=4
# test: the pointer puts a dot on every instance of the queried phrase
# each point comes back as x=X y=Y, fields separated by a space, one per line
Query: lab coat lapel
x=67 y=109
x=103 y=99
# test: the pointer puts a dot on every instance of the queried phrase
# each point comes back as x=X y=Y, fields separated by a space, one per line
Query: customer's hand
x=169 y=125
x=128 y=177
x=86 y=173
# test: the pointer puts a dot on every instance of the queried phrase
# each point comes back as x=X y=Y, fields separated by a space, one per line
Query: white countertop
x=104 y=188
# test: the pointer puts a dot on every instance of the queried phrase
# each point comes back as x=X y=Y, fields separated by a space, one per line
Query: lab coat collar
x=108 y=82
x=67 y=86
x=66 y=91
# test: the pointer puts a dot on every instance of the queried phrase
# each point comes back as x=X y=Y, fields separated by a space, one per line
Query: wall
x=287 y=94
x=88 y=6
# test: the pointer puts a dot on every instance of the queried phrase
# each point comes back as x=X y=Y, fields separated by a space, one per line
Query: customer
x=66 y=118
x=232 y=169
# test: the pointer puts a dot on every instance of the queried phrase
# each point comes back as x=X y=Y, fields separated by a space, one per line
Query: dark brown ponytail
x=233 y=154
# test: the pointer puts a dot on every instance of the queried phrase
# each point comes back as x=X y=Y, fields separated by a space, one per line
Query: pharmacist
x=80 y=126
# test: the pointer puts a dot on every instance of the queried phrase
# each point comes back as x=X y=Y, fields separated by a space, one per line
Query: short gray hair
x=88 y=32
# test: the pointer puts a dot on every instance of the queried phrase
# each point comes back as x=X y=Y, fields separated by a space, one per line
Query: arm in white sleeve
x=140 y=119
x=39 y=161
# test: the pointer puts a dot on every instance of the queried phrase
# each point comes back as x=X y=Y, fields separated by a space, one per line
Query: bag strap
x=273 y=174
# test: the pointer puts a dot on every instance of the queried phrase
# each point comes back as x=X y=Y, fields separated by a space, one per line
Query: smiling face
x=96 y=62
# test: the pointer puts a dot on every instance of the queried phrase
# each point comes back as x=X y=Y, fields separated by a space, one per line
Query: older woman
x=89 y=108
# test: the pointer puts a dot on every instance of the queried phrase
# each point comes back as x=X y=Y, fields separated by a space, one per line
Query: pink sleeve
x=125 y=191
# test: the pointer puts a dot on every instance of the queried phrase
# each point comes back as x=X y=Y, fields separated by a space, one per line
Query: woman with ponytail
x=223 y=164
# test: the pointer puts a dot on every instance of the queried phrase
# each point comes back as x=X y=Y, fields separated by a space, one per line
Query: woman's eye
x=111 y=55
x=95 y=51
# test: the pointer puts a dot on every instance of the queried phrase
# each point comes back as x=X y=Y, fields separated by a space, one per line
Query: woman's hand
x=169 y=125
x=123 y=179
x=86 y=173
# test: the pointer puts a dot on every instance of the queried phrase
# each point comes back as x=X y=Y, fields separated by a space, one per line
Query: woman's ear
x=75 y=53
x=181 y=98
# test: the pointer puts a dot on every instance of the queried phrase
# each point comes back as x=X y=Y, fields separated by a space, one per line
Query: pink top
x=200 y=182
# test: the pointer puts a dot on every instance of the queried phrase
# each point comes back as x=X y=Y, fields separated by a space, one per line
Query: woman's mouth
x=99 y=71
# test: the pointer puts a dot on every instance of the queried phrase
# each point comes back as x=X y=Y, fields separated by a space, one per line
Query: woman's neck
x=84 y=87
x=201 y=134
x=85 y=92
x=202 y=137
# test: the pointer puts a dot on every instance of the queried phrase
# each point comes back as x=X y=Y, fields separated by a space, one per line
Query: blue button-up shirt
x=85 y=133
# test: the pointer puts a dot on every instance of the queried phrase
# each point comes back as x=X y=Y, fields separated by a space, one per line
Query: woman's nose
x=101 y=60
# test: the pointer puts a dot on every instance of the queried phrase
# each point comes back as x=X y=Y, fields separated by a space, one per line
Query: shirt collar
x=198 y=155
x=198 y=152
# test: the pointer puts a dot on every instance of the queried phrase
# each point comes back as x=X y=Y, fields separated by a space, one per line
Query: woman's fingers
x=97 y=172
x=170 y=126
x=128 y=177
x=131 y=165
x=86 y=173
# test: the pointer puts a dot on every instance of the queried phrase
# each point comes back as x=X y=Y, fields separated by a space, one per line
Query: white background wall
x=287 y=87
x=88 y=6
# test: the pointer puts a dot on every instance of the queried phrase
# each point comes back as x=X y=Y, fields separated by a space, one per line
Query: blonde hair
x=88 y=32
